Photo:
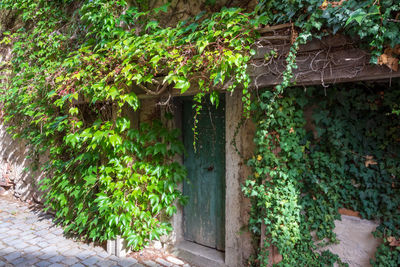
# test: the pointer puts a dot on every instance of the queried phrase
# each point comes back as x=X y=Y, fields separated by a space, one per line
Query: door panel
x=204 y=214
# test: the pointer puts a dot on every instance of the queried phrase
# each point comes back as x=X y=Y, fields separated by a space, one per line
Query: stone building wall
x=356 y=247
x=357 y=244
x=16 y=176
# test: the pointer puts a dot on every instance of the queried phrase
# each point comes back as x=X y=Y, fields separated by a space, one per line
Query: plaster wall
x=238 y=239
x=357 y=244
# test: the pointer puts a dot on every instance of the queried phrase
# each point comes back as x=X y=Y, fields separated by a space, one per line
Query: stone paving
x=29 y=238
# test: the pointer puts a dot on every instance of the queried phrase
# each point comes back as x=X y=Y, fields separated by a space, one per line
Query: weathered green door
x=204 y=214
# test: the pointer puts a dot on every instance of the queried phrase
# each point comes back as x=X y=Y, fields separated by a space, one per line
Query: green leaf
x=357 y=16
x=182 y=84
x=73 y=111
x=131 y=99
x=115 y=140
x=152 y=24
x=72 y=139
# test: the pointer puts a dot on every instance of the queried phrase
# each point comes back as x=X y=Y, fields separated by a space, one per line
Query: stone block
x=111 y=247
x=70 y=261
x=127 y=262
x=164 y=262
x=91 y=261
x=121 y=249
x=175 y=260
x=13 y=256
x=43 y=264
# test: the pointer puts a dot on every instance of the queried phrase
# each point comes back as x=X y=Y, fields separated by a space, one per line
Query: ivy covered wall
x=77 y=66
x=306 y=172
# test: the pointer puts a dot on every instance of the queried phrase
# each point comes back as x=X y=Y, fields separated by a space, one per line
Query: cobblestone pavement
x=29 y=238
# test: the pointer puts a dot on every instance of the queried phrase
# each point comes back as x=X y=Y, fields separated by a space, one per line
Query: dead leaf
x=396 y=49
x=369 y=160
x=348 y=212
x=277 y=258
x=291 y=130
x=324 y=5
x=334 y=4
x=393 y=242
x=389 y=60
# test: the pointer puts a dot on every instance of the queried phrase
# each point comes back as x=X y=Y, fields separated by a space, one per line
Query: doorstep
x=199 y=255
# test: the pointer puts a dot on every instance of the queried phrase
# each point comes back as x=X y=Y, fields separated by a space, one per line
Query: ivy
x=301 y=179
x=371 y=21
x=119 y=180
x=78 y=65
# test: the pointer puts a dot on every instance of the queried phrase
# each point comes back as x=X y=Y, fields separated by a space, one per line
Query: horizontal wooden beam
x=334 y=59
x=330 y=60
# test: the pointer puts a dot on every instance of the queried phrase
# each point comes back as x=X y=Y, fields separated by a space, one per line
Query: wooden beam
x=333 y=59
x=274 y=28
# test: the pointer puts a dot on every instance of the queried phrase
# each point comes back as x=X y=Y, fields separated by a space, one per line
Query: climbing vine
x=296 y=188
x=74 y=75
x=77 y=66
x=346 y=157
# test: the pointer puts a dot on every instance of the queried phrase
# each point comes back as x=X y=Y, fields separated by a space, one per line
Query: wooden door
x=204 y=214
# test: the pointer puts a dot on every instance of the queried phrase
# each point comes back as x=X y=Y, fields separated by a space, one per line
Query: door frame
x=200 y=255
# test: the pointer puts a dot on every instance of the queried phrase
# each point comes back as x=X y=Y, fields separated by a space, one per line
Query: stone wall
x=15 y=175
x=15 y=169
x=180 y=10
x=356 y=247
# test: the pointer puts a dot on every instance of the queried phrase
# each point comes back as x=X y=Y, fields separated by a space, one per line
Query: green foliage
x=371 y=21
x=386 y=256
x=119 y=181
x=301 y=178
x=75 y=69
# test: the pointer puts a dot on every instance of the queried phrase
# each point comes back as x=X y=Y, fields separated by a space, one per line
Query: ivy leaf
x=357 y=16
x=90 y=179
x=152 y=24
x=170 y=210
x=123 y=124
x=115 y=140
x=163 y=8
x=73 y=111
x=214 y=98
x=72 y=139
x=183 y=85
x=131 y=99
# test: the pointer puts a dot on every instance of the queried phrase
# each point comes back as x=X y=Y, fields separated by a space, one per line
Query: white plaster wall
x=357 y=244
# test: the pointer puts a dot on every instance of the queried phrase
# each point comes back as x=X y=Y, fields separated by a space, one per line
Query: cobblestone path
x=29 y=238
